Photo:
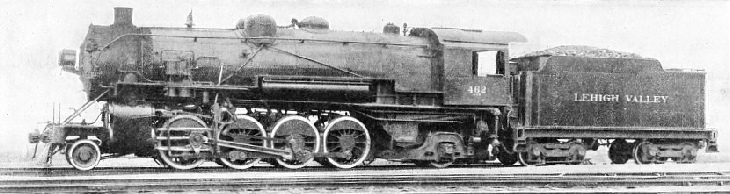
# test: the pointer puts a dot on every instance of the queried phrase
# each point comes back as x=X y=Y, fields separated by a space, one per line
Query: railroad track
x=69 y=171
x=221 y=180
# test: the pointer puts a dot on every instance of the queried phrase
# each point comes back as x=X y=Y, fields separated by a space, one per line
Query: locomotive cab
x=475 y=67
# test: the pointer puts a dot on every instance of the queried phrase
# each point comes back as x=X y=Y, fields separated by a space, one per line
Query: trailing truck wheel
x=619 y=152
x=507 y=159
x=83 y=154
x=174 y=139
x=349 y=136
x=239 y=132
x=304 y=134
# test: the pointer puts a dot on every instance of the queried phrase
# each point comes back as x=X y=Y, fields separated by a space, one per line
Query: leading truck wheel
x=304 y=136
x=176 y=139
x=83 y=154
x=349 y=136
x=239 y=132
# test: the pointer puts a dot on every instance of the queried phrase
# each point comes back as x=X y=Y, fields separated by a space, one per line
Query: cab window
x=487 y=63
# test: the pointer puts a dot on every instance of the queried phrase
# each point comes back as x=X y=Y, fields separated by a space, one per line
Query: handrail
x=83 y=108
x=262 y=38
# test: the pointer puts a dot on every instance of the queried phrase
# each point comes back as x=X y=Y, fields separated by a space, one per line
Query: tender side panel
x=598 y=99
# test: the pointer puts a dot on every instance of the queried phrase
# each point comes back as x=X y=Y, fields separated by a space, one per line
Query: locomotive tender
x=290 y=95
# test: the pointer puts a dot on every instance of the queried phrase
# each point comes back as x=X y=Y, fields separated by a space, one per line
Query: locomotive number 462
x=477 y=90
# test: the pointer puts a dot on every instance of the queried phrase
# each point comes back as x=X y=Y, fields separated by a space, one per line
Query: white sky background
x=680 y=34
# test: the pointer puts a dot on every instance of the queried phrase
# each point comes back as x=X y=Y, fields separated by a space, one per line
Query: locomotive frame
x=289 y=96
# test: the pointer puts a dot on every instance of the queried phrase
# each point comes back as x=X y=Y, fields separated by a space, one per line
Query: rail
x=162 y=179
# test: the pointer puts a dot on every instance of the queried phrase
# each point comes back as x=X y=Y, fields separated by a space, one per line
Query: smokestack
x=123 y=16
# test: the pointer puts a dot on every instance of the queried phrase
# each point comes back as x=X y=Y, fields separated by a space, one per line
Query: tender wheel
x=525 y=157
x=639 y=154
x=508 y=159
x=689 y=151
x=578 y=153
x=239 y=132
x=83 y=154
x=349 y=136
x=619 y=152
x=302 y=131
x=181 y=141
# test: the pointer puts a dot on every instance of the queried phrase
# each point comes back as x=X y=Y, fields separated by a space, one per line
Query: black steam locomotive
x=291 y=95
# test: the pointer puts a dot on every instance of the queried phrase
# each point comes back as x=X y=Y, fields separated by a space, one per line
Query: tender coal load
x=582 y=51
x=257 y=25
x=314 y=22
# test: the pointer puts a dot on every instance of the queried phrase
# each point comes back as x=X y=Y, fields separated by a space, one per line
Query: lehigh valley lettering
x=586 y=97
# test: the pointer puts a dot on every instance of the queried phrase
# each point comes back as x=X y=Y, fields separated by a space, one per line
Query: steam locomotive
x=301 y=93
